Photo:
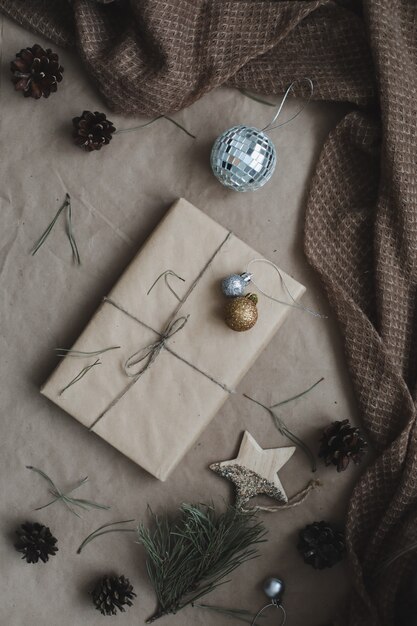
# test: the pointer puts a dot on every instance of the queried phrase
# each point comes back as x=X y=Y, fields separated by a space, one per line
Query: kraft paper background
x=119 y=195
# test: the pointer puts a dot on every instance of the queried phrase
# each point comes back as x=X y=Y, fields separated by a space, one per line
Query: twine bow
x=151 y=352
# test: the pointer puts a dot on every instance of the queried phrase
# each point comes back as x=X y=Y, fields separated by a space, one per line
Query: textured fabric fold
x=151 y=57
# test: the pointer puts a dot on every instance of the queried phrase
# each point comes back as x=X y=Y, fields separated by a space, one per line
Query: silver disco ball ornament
x=243 y=158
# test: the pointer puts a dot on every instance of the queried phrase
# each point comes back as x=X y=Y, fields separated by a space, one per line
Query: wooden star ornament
x=254 y=471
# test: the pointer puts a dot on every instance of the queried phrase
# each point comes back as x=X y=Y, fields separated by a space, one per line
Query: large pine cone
x=36 y=72
x=92 y=131
x=341 y=442
x=35 y=542
x=112 y=593
x=321 y=545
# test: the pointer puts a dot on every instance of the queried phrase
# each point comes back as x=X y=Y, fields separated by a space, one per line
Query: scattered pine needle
x=283 y=428
x=66 y=205
x=80 y=375
x=79 y=354
x=100 y=531
x=68 y=500
x=160 y=117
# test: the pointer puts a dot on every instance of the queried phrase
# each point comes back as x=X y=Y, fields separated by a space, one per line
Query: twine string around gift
x=147 y=355
x=175 y=324
x=294 y=303
x=151 y=352
x=270 y=125
x=149 y=349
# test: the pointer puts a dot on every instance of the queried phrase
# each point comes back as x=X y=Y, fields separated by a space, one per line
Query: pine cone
x=36 y=72
x=112 y=593
x=321 y=545
x=92 y=130
x=340 y=443
x=35 y=542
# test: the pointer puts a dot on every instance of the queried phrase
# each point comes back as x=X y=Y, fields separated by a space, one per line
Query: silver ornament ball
x=243 y=158
x=274 y=589
x=235 y=284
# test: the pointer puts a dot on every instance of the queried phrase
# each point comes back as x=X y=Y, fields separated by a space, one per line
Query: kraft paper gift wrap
x=157 y=416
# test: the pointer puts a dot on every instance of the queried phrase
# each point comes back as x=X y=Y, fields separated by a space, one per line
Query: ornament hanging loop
x=309 y=82
x=293 y=302
x=275 y=604
x=274 y=589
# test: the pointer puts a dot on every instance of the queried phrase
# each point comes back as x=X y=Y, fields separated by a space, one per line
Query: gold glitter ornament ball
x=242 y=312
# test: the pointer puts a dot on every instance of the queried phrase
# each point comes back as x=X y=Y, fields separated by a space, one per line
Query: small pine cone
x=321 y=545
x=92 y=130
x=340 y=443
x=36 y=72
x=35 y=542
x=112 y=593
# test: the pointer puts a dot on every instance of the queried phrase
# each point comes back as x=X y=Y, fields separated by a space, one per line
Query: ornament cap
x=246 y=277
x=253 y=297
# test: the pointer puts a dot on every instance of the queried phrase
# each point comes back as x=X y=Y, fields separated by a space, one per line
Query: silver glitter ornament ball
x=243 y=158
x=274 y=589
x=235 y=284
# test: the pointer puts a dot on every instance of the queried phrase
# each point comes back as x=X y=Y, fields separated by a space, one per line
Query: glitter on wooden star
x=254 y=471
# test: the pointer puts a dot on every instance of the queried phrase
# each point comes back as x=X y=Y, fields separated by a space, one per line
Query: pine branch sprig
x=192 y=555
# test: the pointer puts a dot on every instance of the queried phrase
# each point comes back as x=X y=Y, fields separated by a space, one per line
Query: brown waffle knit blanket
x=155 y=56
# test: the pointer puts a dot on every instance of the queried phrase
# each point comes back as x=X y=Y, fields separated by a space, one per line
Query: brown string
x=153 y=350
x=296 y=500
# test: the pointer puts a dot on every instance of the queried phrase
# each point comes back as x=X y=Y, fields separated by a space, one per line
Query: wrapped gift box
x=156 y=416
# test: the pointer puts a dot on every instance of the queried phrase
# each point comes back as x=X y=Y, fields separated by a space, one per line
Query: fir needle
x=64 y=352
x=65 y=497
x=240 y=614
x=80 y=375
x=48 y=229
x=299 y=395
x=155 y=119
x=72 y=241
x=65 y=205
x=100 y=531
